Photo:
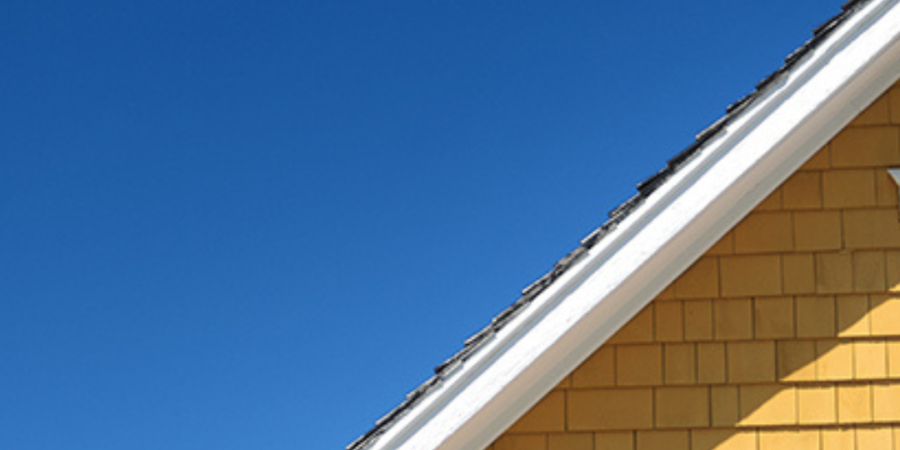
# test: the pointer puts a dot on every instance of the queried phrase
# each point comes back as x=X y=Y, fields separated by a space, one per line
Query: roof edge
x=735 y=170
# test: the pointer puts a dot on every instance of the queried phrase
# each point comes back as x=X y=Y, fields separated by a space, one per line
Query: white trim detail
x=895 y=174
x=735 y=171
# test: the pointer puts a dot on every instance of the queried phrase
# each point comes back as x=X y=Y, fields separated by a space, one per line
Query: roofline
x=734 y=171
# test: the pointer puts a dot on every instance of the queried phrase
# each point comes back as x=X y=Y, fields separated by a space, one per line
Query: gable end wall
x=784 y=335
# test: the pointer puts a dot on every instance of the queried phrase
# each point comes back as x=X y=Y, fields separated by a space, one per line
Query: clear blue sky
x=258 y=225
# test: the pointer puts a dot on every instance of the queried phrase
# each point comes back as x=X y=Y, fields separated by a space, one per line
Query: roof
x=841 y=64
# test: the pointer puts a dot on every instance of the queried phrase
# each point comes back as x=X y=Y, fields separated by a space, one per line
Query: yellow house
x=747 y=298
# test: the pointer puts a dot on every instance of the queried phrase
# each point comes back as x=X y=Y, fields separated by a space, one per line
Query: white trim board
x=734 y=171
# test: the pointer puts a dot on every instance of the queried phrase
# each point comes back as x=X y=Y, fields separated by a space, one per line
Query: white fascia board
x=619 y=276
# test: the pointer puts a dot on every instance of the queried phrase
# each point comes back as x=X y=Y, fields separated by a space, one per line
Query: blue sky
x=258 y=225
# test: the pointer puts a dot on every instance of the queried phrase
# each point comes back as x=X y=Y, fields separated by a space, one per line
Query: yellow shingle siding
x=785 y=335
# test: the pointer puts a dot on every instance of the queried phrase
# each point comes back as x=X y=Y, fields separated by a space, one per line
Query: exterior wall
x=785 y=335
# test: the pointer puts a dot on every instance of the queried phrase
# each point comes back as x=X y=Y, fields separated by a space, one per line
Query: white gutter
x=735 y=171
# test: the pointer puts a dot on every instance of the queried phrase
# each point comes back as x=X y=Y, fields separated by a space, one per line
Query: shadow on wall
x=834 y=373
x=769 y=373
